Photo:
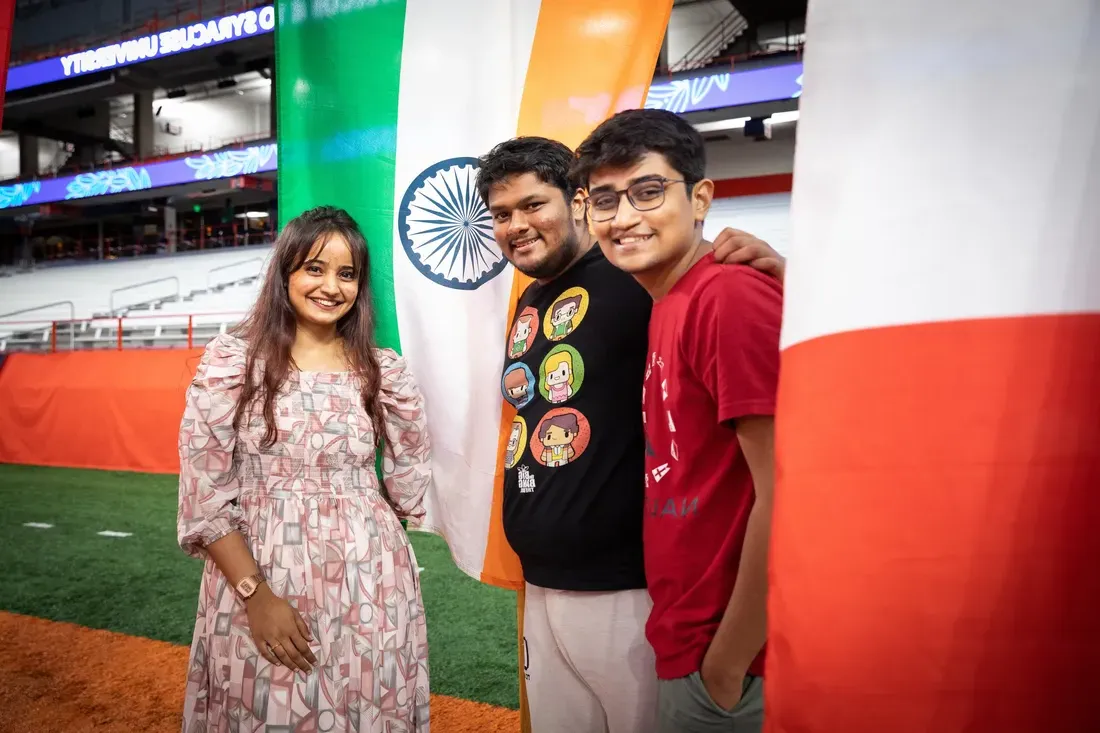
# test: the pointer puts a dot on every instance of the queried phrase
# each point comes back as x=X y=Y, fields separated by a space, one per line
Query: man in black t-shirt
x=575 y=458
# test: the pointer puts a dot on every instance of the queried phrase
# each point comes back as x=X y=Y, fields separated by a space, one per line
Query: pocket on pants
x=686 y=707
x=703 y=698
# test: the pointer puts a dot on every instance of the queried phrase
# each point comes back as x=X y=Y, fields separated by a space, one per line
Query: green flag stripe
x=337 y=88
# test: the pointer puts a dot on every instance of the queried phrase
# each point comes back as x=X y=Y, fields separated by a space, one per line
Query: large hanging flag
x=383 y=110
x=936 y=546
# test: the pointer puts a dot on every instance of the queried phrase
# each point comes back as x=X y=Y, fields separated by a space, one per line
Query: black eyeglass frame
x=665 y=183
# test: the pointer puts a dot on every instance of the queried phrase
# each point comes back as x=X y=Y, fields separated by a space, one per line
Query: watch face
x=247 y=587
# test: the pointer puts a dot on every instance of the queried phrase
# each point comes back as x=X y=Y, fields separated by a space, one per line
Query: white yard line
x=38 y=525
x=112 y=533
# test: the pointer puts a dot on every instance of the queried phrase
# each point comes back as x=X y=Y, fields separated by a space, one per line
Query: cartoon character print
x=516 y=438
x=518 y=385
x=557 y=435
x=520 y=334
x=562 y=315
x=560 y=438
x=559 y=376
x=566 y=313
x=523 y=333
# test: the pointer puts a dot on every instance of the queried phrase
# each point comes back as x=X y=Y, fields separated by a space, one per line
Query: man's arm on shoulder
x=735 y=247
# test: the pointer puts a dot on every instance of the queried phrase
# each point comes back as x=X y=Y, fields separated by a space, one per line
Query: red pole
x=120 y=333
x=190 y=331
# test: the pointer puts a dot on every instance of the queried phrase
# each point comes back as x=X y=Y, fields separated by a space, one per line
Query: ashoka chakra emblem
x=446 y=229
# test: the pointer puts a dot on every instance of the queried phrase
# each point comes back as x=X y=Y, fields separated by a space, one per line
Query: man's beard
x=558 y=261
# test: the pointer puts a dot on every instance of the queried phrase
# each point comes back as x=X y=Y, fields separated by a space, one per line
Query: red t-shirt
x=714 y=357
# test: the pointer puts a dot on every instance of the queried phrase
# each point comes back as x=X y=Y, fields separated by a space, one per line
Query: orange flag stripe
x=589 y=60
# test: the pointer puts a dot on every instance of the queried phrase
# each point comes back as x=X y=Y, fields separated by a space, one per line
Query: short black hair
x=627 y=137
x=548 y=159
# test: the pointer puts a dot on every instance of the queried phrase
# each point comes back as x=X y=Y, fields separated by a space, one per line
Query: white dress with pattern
x=327 y=537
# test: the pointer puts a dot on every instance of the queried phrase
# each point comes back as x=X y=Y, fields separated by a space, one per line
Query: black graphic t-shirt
x=575 y=460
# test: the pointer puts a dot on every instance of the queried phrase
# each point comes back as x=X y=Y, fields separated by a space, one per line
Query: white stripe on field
x=112 y=533
x=37 y=525
x=462 y=73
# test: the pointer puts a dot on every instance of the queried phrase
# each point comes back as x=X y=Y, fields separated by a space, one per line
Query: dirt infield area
x=63 y=678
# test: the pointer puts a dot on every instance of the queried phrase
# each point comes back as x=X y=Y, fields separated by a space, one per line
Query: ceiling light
x=780 y=117
x=718 y=125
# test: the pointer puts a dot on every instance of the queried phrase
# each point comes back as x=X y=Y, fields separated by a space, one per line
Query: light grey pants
x=685 y=706
x=589 y=667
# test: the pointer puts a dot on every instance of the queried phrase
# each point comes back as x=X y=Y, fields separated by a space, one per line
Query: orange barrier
x=113 y=410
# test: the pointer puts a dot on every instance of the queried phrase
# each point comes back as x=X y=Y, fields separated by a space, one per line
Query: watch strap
x=246 y=587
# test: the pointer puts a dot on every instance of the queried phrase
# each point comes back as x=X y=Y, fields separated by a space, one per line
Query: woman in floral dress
x=309 y=616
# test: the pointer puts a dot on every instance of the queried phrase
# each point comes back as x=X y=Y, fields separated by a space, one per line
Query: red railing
x=59 y=334
x=183 y=14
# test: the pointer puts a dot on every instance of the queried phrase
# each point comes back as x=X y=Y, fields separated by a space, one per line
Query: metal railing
x=730 y=61
x=111 y=297
x=116 y=332
x=710 y=45
x=212 y=270
x=53 y=324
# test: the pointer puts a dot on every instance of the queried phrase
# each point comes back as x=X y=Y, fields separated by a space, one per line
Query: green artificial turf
x=144 y=585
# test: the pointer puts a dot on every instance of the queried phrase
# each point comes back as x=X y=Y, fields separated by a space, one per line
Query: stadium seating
x=155 y=297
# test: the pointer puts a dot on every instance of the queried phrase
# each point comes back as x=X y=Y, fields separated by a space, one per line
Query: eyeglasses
x=644 y=196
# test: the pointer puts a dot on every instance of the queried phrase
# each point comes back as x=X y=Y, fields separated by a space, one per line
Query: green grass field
x=144 y=585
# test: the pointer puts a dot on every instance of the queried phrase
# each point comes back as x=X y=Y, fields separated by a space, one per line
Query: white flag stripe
x=921 y=211
x=462 y=73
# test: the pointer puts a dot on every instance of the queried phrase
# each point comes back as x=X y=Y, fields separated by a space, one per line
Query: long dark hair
x=270 y=327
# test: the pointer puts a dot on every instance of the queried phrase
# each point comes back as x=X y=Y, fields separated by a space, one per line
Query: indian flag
x=936 y=546
x=384 y=108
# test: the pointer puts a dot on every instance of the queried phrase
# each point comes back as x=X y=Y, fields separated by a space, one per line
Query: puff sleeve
x=406 y=453
x=209 y=487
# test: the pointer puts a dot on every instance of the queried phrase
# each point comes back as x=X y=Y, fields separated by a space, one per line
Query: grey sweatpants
x=684 y=706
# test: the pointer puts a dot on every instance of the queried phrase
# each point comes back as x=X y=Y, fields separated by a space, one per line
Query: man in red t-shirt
x=709 y=404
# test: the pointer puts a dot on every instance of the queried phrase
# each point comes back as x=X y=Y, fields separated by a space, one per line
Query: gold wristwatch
x=246 y=587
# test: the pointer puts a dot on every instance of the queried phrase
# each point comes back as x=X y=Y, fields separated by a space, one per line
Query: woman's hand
x=281 y=635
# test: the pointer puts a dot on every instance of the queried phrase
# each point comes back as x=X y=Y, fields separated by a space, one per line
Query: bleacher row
x=159 y=301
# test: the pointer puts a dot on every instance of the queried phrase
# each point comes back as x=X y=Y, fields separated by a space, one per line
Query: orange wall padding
x=115 y=410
